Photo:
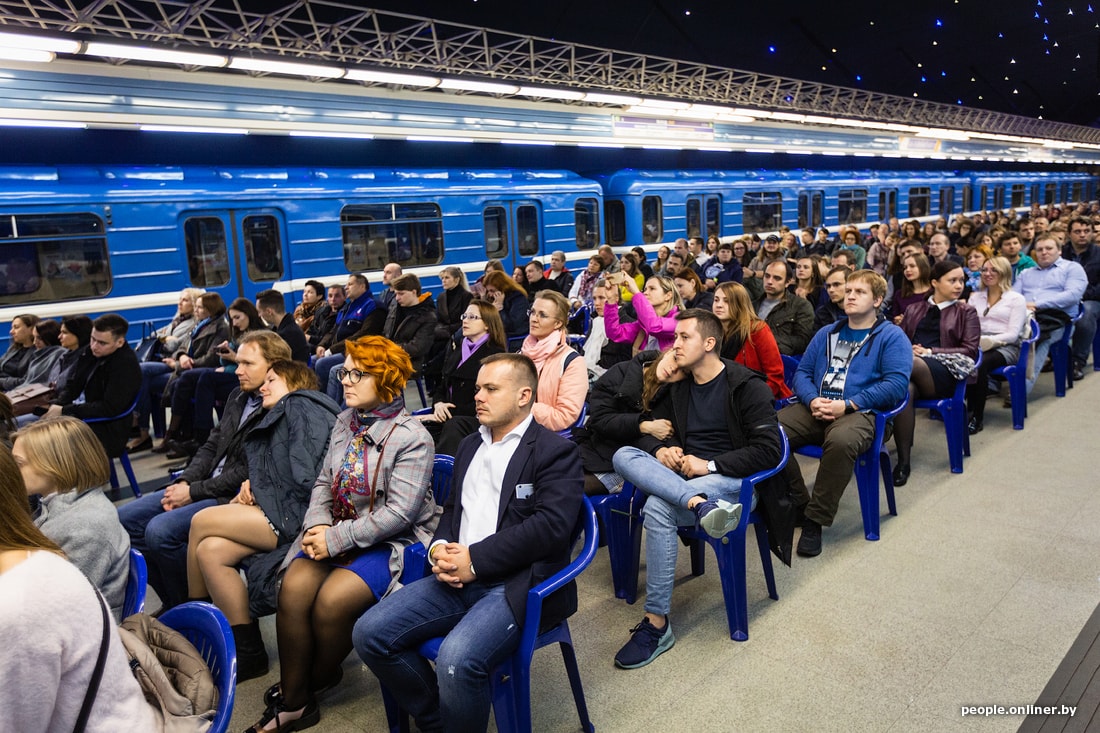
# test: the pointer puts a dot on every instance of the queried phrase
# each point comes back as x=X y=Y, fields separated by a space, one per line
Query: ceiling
x=1036 y=58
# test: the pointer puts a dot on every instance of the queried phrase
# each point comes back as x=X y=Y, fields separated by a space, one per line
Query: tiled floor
x=972 y=597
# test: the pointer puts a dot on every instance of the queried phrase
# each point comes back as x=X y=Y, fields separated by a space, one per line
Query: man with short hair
x=832 y=310
x=938 y=249
x=558 y=273
x=159 y=522
x=390 y=272
x=1026 y=231
x=694 y=475
x=272 y=308
x=103 y=383
x=1082 y=250
x=851 y=370
x=697 y=250
x=359 y=315
x=536 y=281
x=842 y=258
x=790 y=317
x=1009 y=247
x=608 y=258
x=1052 y=290
x=506 y=526
x=674 y=264
x=680 y=247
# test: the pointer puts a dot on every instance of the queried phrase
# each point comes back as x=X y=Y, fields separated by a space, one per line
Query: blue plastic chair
x=953 y=411
x=1016 y=376
x=205 y=627
x=137 y=583
x=730 y=553
x=584 y=314
x=1096 y=351
x=620 y=529
x=1059 y=356
x=415 y=565
x=790 y=366
x=568 y=432
x=124 y=457
x=869 y=464
x=511 y=681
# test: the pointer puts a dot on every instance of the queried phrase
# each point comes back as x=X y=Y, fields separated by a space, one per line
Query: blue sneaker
x=717 y=517
x=647 y=642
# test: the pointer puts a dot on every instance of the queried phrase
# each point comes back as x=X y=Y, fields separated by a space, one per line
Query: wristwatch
x=712 y=467
x=849 y=408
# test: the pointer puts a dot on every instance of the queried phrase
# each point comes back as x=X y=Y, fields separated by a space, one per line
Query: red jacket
x=761 y=353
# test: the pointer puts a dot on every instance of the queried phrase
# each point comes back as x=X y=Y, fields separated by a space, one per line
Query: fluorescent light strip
x=13 y=122
x=26 y=54
x=485 y=87
x=437 y=139
x=38 y=43
x=664 y=104
x=389 y=77
x=186 y=128
x=346 y=135
x=543 y=93
x=160 y=55
x=529 y=142
x=286 y=67
x=616 y=99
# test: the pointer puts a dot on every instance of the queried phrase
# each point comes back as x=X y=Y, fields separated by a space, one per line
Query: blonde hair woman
x=63 y=462
x=563 y=376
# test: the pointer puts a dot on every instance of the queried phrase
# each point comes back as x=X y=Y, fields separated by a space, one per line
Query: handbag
x=148 y=349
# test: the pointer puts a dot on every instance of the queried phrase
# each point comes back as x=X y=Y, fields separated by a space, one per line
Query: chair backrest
x=442 y=470
x=205 y=627
x=130 y=409
x=136 y=585
x=579 y=422
x=790 y=366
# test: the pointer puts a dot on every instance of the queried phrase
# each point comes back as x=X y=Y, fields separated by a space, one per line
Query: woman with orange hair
x=371 y=499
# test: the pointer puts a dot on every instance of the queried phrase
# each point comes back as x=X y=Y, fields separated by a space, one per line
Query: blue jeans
x=665 y=510
x=154 y=377
x=1085 y=331
x=324 y=367
x=480 y=631
x=162 y=537
x=1039 y=356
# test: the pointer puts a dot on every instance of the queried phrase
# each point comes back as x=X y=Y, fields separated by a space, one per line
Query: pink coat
x=663 y=328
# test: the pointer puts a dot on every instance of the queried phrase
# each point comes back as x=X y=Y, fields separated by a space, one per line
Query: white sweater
x=50 y=633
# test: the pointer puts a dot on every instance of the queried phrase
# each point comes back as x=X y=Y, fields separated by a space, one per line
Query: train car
x=99 y=239
x=650 y=207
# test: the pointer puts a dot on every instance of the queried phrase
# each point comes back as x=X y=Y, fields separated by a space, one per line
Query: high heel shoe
x=975 y=426
x=138 y=445
x=901 y=474
x=308 y=717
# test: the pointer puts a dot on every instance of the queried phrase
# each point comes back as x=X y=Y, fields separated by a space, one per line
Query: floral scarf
x=353 y=476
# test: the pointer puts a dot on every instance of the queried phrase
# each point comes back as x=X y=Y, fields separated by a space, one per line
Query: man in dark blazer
x=104 y=383
x=506 y=526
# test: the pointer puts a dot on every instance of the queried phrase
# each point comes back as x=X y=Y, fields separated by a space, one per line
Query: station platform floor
x=972 y=597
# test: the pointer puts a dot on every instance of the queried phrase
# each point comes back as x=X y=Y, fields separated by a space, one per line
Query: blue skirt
x=372 y=565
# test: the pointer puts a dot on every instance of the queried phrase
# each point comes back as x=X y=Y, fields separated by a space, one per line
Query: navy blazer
x=532 y=539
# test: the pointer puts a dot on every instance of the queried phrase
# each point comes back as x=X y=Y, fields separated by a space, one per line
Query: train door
x=887 y=204
x=810 y=209
x=513 y=232
x=236 y=252
x=947 y=201
x=704 y=216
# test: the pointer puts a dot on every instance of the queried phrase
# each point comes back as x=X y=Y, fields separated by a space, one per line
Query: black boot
x=251 y=653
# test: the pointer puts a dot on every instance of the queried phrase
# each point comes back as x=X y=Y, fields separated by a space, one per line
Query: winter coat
x=449 y=309
x=13 y=365
x=413 y=329
x=109 y=385
x=614 y=413
x=227 y=441
x=204 y=344
x=459 y=380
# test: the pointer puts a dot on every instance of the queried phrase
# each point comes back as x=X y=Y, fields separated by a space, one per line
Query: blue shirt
x=1059 y=286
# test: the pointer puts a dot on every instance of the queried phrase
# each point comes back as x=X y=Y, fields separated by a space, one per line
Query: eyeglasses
x=988 y=271
x=470 y=317
x=352 y=375
x=531 y=312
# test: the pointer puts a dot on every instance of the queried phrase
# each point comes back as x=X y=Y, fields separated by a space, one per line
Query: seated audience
x=13 y=364
x=1008 y=246
x=945 y=333
x=692 y=291
x=372 y=498
x=486 y=555
x=832 y=310
x=559 y=273
x=452 y=304
x=915 y=285
x=563 y=378
x=271 y=306
x=510 y=300
x=858 y=366
x=477 y=288
x=313 y=306
x=536 y=280
x=600 y=352
x=324 y=318
x=723 y=268
x=390 y=272
x=656 y=309
x=64 y=464
x=808 y=281
x=972 y=271
x=628 y=266
x=159 y=522
x=1083 y=251
x=361 y=315
x=1003 y=316
x=75 y=335
x=746 y=339
x=453 y=401
x=51 y=630
x=581 y=292
x=790 y=317
x=284 y=452
x=849 y=244
x=46 y=355
x=7 y=420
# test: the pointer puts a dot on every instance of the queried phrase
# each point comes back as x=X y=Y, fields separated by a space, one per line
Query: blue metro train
x=127 y=239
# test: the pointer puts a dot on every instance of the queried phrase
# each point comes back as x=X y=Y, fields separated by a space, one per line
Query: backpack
x=172 y=674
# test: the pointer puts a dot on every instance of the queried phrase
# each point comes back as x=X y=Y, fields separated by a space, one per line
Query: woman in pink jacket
x=563 y=376
x=656 y=307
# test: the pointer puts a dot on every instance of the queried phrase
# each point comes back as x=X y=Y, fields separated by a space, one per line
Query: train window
x=1035 y=193
x=615 y=211
x=809 y=209
x=983 y=198
x=1077 y=194
x=586 y=217
x=998 y=198
x=920 y=201
x=1050 y=193
x=52 y=257
x=947 y=201
x=527 y=230
x=652 y=222
x=694 y=217
x=263 y=248
x=714 y=216
x=375 y=234
x=851 y=205
x=1019 y=194
x=207 y=256
x=968 y=194
x=887 y=204
x=496 y=232
x=761 y=211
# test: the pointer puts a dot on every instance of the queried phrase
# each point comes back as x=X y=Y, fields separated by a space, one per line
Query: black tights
x=976 y=393
x=921 y=386
x=318 y=606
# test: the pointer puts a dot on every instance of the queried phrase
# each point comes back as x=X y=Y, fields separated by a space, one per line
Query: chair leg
x=114 y=475
x=124 y=459
x=887 y=470
x=698 y=557
x=766 y=557
x=511 y=687
x=397 y=720
x=730 y=554
x=1017 y=390
x=569 y=656
x=953 y=426
x=867 y=485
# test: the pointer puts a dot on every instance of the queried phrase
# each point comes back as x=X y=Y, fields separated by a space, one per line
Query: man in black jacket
x=104 y=383
x=159 y=523
x=272 y=308
x=505 y=528
x=694 y=475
